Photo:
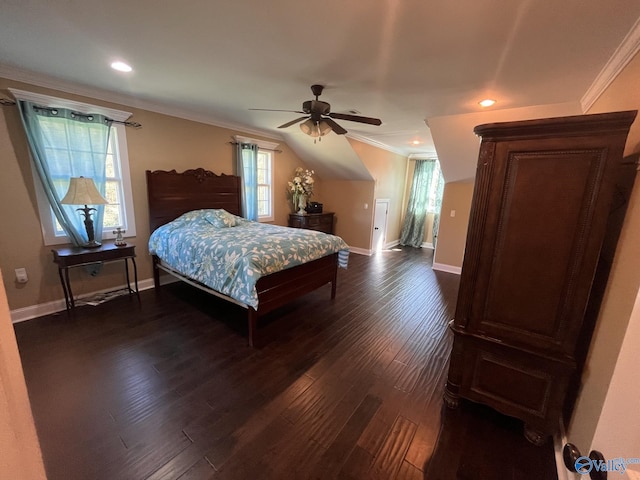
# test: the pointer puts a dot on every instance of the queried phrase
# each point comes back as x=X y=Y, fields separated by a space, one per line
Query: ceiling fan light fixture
x=315 y=129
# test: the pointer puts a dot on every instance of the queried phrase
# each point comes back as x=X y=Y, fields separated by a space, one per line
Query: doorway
x=380 y=216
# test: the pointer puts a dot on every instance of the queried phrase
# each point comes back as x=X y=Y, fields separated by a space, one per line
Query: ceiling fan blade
x=356 y=118
x=288 y=124
x=271 y=110
x=335 y=127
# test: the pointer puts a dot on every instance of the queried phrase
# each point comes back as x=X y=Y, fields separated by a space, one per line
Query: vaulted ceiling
x=415 y=64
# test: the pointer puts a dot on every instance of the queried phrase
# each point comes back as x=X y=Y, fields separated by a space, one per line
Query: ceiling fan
x=318 y=119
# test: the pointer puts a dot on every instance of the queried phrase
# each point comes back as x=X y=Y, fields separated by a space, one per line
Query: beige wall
x=20 y=456
x=347 y=199
x=622 y=289
x=163 y=142
x=452 y=234
x=389 y=171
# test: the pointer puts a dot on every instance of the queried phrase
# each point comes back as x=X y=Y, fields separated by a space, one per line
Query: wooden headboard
x=171 y=194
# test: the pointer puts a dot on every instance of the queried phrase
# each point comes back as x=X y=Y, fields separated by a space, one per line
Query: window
x=435 y=190
x=119 y=212
x=265 y=190
x=265 y=176
x=114 y=212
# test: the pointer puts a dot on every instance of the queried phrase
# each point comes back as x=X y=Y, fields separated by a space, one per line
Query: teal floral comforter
x=229 y=254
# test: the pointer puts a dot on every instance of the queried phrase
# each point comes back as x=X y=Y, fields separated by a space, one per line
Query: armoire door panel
x=542 y=203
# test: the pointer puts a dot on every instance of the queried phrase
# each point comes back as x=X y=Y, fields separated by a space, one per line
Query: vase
x=302 y=204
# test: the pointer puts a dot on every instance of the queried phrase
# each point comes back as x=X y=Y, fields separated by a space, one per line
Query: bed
x=174 y=197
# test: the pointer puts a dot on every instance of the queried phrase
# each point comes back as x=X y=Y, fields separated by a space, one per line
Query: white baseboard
x=33 y=311
x=360 y=251
x=390 y=245
x=427 y=245
x=55 y=306
x=443 y=267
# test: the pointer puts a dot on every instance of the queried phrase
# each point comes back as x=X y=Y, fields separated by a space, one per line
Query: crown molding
x=375 y=143
x=621 y=57
x=45 y=81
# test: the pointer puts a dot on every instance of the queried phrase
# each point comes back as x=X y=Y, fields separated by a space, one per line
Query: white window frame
x=269 y=148
x=46 y=215
x=270 y=216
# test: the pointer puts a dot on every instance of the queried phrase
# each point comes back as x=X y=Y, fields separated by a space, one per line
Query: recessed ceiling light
x=487 y=102
x=121 y=67
x=416 y=142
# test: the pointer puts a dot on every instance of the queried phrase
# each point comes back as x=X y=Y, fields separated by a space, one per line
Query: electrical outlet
x=21 y=275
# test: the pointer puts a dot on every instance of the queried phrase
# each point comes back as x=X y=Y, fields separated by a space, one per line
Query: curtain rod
x=6 y=102
x=238 y=143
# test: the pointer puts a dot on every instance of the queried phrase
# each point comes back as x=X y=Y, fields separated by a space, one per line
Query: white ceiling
x=404 y=61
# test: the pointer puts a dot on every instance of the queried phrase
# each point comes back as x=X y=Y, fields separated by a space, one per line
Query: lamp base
x=92 y=244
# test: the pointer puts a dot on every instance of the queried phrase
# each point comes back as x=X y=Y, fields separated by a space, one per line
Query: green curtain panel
x=425 y=196
x=247 y=170
x=66 y=144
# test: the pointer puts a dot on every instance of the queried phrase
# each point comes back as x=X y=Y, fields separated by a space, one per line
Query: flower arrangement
x=301 y=187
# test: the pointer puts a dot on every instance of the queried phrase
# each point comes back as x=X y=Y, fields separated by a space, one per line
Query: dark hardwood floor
x=167 y=387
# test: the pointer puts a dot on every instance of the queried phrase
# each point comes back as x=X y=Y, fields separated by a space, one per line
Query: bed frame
x=171 y=194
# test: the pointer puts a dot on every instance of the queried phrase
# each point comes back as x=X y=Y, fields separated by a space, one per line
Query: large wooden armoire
x=545 y=219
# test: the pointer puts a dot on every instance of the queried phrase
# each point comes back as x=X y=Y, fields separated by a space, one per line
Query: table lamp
x=82 y=191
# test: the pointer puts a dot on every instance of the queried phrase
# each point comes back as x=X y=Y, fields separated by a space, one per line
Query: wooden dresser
x=548 y=204
x=322 y=222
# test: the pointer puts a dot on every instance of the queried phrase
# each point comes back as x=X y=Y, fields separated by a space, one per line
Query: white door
x=380 y=224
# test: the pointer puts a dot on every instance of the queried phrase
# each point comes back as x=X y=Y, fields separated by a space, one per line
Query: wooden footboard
x=280 y=288
x=274 y=290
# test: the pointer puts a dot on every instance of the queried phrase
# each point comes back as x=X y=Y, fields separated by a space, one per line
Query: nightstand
x=70 y=257
x=322 y=222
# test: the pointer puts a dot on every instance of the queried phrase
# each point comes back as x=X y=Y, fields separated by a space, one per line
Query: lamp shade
x=315 y=129
x=324 y=128
x=307 y=127
x=83 y=191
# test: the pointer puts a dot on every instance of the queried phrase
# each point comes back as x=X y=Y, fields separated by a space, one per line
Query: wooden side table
x=322 y=222
x=69 y=257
